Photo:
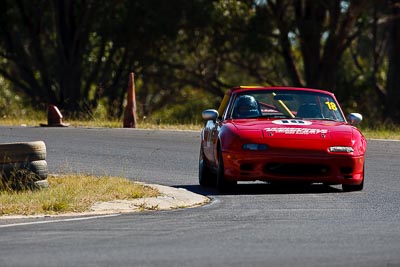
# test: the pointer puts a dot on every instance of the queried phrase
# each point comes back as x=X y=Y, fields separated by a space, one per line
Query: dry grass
x=71 y=193
x=393 y=134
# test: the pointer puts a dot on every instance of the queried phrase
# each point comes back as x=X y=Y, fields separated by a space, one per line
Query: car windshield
x=285 y=104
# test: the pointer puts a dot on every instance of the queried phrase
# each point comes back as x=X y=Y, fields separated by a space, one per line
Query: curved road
x=259 y=225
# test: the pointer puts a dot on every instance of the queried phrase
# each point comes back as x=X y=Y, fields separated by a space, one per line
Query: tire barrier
x=23 y=166
x=22 y=152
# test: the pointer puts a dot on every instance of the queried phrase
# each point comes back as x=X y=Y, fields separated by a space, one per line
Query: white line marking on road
x=62 y=220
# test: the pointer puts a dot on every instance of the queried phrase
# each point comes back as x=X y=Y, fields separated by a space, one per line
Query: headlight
x=255 y=147
x=343 y=149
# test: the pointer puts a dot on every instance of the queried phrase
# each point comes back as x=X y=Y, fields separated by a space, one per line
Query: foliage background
x=185 y=54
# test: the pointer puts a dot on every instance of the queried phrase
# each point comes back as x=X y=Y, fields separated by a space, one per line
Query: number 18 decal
x=331 y=105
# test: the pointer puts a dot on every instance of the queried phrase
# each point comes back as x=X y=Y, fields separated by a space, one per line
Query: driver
x=246 y=106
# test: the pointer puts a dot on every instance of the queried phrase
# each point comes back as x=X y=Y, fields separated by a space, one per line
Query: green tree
x=73 y=53
x=185 y=54
x=321 y=31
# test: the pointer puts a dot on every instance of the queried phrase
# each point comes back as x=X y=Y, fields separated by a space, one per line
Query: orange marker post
x=130 y=109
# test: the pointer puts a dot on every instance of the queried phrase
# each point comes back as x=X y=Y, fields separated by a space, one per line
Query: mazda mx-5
x=281 y=134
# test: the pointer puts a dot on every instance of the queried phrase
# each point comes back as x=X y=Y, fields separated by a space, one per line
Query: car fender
x=360 y=143
x=228 y=137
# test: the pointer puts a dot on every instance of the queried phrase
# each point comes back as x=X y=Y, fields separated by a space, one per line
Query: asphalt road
x=260 y=225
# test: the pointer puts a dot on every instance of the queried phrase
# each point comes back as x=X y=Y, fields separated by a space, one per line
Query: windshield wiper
x=319 y=119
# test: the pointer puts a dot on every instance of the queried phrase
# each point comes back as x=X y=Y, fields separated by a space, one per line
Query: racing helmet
x=246 y=106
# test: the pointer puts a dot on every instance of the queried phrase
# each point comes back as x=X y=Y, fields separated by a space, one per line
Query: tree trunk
x=393 y=75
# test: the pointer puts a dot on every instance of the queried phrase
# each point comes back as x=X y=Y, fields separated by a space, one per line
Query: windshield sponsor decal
x=300 y=131
x=292 y=122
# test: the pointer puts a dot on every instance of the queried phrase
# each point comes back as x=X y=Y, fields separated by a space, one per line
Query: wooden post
x=130 y=109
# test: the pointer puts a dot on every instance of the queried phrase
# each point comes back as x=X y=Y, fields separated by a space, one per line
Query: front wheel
x=223 y=185
x=352 y=187
x=206 y=178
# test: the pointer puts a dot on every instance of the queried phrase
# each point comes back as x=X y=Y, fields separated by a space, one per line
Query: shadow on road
x=263 y=188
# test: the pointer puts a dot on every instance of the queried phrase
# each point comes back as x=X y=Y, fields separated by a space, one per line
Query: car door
x=210 y=133
x=214 y=141
x=207 y=135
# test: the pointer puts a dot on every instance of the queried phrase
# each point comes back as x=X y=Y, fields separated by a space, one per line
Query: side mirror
x=354 y=118
x=210 y=114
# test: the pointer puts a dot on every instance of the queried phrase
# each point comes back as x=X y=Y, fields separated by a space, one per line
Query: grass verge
x=71 y=193
x=382 y=133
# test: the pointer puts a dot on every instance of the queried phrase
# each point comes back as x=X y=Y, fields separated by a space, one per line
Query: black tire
x=206 y=177
x=22 y=152
x=223 y=185
x=352 y=188
x=22 y=175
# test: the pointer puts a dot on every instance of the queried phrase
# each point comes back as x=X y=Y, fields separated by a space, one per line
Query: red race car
x=281 y=134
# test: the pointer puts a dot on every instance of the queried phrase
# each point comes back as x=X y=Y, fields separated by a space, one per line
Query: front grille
x=296 y=170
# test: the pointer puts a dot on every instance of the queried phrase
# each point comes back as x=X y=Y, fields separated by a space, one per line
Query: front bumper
x=330 y=169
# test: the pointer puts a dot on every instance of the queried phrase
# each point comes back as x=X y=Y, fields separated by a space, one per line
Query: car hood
x=295 y=129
